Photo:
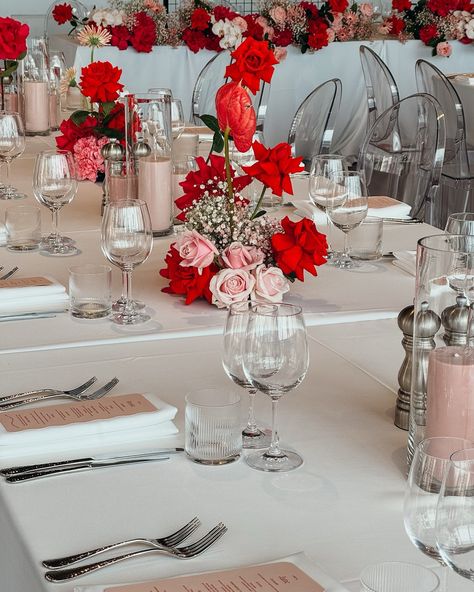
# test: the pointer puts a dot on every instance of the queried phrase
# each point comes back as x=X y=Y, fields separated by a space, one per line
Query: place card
x=271 y=577
x=382 y=201
x=73 y=413
x=25 y=282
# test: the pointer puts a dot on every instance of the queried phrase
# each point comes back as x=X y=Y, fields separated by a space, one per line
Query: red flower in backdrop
x=254 y=61
x=235 y=112
x=397 y=25
x=144 y=33
x=283 y=38
x=338 y=5
x=207 y=179
x=428 y=33
x=300 y=247
x=273 y=167
x=195 y=40
x=120 y=36
x=254 y=29
x=465 y=5
x=116 y=119
x=13 y=36
x=310 y=8
x=62 y=13
x=401 y=5
x=200 y=19
x=318 y=35
x=100 y=82
x=187 y=281
x=212 y=43
x=72 y=132
x=442 y=7
x=222 y=12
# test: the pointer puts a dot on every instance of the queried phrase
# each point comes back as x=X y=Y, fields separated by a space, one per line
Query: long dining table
x=342 y=508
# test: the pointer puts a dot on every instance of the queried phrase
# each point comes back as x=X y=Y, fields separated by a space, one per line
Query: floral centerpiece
x=13 y=35
x=232 y=250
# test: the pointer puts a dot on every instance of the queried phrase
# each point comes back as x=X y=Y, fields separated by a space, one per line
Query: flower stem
x=257 y=207
x=230 y=187
x=3 y=89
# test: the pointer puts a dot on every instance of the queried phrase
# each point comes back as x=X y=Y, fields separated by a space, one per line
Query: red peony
x=397 y=25
x=401 y=5
x=300 y=247
x=120 y=36
x=428 y=33
x=254 y=61
x=283 y=38
x=236 y=113
x=100 y=82
x=338 y=5
x=116 y=119
x=273 y=167
x=62 y=13
x=13 y=36
x=254 y=29
x=318 y=36
x=143 y=36
x=72 y=132
x=187 y=281
x=200 y=19
x=442 y=7
x=310 y=8
x=222 y=12
x=195 y=40
x=212 y=43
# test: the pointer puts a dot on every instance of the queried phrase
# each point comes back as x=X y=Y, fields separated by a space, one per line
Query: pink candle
x=123 y=187
x=53 y=111
x=11 y=102
x=154 y=187
x=450 y=393
x=36 y=107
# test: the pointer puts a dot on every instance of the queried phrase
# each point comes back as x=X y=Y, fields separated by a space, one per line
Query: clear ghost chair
x=34 y=21
x=312 y=129
x=457 y=179
x=382 y=90
x=404 y=161
x=51 y=27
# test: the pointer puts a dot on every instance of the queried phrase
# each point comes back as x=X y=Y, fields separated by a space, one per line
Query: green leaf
x=107 y=107
x=112 y=133
x=78 y=117
x=211 y=122
x=217 y=142
x=11 y=67
x=259 y=213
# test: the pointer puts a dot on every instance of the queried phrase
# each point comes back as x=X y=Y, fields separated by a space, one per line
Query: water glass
x=460 y=223
x=177 y=118
x=366 y=240
x=12 y=145
x=212 y=426
x=90 y=291
x=395 y=576
x=23 y=225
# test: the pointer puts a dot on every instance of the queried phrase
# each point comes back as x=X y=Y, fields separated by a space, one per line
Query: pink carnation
x=88 y=157
x=240 y=22
x=280 y=53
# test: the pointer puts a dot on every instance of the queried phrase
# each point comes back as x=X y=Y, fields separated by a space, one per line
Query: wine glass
x=126 y=241
x=347 y=209
x=177 y=118
x=460 y=223
x=327 y=171
x=54 y=186
x=276 y=359
x=232 y=360
x=12 y=145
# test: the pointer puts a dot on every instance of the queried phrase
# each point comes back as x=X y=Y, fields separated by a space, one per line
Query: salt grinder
x=456 y=320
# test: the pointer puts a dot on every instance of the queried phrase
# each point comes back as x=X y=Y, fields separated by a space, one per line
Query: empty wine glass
x=347 y=210
x=275 y=361
x=460 y=223
x=177 y=118
x=126 y=241
x=54 y=186
x=12 y=145
x=232 y=360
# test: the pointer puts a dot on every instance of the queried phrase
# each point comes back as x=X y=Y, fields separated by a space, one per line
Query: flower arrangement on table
x=231 y=250
x=13 y=35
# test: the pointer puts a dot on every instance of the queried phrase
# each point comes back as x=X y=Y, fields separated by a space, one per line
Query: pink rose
x=366 y=9
x=444 y=49
x=240 y=22
x=231 y=285
x=337 y=22
x=195 y=249
x=331 y=35
x=270 y=283
x=236 y=256
x=278 y=14
x=280 y=53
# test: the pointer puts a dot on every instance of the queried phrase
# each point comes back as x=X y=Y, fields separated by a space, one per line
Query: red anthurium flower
x=62 y=13
x=100 y=82
x=13 y=36
x=253 y=61
x=300 y=247
x=273 y=167
x=236 y=113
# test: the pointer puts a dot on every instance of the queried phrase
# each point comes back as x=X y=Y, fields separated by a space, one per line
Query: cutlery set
x=9 y=273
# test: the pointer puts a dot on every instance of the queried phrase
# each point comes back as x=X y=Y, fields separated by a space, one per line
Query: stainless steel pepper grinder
x=402 y=410
x=456 y=320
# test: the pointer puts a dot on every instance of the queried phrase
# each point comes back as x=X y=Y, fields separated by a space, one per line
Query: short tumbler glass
x=90 y=292
x=213 y=431
x=23 y=225
x=366 y=239
x=395 y=576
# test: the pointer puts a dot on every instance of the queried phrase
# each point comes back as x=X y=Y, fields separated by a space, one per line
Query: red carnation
x=428 y=33
x=283 y=38
x=222 y=12
x=72 y=132
x=120 y=36
x=187 y=281
x=253 y=61
x=62 y=13
x=212 y=43
x=338 y=5
x=200 y=19
x=274 y=166
x=195 y=40
x=13 y=36
x=397 y=25
x=236 y=113
x=401 y=5
x=100 y=82
x=442 y=7
x=318 y=35
x=144 y=33
x=254 y=29
x=310 y=8
x=300 y=247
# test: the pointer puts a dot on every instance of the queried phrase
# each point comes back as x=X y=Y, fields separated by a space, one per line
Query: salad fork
x=187 y=552
x=75 y=391
x=169 y=541
x=10 y=273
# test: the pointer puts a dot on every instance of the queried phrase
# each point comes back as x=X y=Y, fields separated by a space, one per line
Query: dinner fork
x=81 y=397
x=75 y=391
x=9 y=274
x=168 y=541
x=187 y=552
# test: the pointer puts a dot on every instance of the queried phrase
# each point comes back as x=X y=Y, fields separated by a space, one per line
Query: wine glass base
x=271 y=464
x=48 y=240
x=130 y=319
x=345 y=263
x=261 y=439
x=119 y=305
x=65 y=251
x=12 y=196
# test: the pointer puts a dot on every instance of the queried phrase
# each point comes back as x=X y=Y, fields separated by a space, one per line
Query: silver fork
x=187 y=552
x=9 y=274
x=168 y=541
x=84 y=397
x=75 y=391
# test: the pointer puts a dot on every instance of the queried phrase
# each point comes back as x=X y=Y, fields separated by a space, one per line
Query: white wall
x=8 y=7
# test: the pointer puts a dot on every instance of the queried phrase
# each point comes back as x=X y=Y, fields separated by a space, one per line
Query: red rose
x=222 y=12
x=200 y=19
x=338 y=5
x=428 y=33
x=300 y=247
x=401 y=5
x=236 y=113
x=120 y=36
x=187 y=281
x=144 y=33
x=273 y=167
x=254 y=61
x=195 y=40
x=13 y=36
x=100 y=82
x=72 y=132
x=310 y=8
x=283 y=38
x=62 y=13
x=254 y=29
x=397 y=25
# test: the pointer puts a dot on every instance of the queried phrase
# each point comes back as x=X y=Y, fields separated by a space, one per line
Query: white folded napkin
x=405 y=260
x=467 y=79
x=204 y=133
x=84 y=434
x=3 y=234
x=15 y=299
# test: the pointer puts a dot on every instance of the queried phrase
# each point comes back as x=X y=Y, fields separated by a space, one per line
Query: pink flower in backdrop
x=231 y=285
x=337 y=23
x=270 y=283
x=238 y=256
x=280 y=53
x=331 y=35
x=240 y=22
x=278 y=14
x=366 y=9
x=267 y=30
x=195 y=250
x=89 y=160
x=351 y=18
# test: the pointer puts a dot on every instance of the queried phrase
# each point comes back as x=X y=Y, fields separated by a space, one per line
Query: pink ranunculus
x=270 y=284
x=195 y=249
x=231 y=285
x=280 y=53
x=444 y=49
x=278 y=14
x=366 y=9
x=240 y=22
x=331 y=35
x=237 y=256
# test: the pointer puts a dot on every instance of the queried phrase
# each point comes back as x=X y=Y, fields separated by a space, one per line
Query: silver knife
x=103 y=458
x=402 y=221
x=28 y=316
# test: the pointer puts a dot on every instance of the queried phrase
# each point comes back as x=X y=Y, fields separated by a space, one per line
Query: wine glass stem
x=55 y=221
x=251 y=427
x=127 y=289
x=329 y=233
x=346 y=245
x=274 y=449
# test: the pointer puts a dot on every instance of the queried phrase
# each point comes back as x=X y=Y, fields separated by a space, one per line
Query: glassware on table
x=12 y=145
x=181 y=168
x=235 y=331
x=347 y=209
x=126 y=241
x=35 y=90
x=23 y=224
x=460 y=223
x=367 y=239
x=54 y=186
x=177 y=118
x=395 y=576
x=57 y=69
x=275 y=359
x=121 y=178
x=161 y=92
x=90 y=291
